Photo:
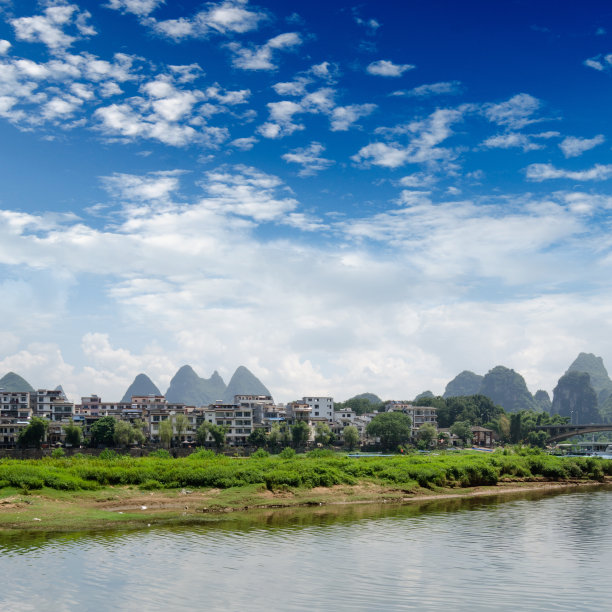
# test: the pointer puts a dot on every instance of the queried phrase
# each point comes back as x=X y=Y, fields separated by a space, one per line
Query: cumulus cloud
x=512 y=140
x=261 y=58
x=387 y=68
x=343 y=117
x=544 y=172
x=515 y=113
x=201 y=276
x=573 y=146
x=599 y=62
x=49 y=27
x=424 y=137
x=309 y=158
x=229 y=17
x=141 y=8
x=433 y=89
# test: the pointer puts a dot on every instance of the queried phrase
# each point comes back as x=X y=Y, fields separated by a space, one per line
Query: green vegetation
x=103 y=432
x=34 y=433
x=392 y=428
x=350 y=434
x=320 y=468
x=74 y=434
x=361 y=404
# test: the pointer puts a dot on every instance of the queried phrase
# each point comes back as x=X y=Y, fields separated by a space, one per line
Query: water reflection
x=535 y=552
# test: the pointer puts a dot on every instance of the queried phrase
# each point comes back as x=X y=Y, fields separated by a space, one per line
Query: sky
x=343 y=197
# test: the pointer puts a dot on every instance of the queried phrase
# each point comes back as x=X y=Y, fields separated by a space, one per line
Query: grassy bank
x=70 y=493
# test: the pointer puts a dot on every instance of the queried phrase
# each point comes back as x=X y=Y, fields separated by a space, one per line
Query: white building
x=238 y=420
x=321 y=407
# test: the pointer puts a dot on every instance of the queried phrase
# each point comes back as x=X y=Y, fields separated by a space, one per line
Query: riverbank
x=129 y=508
x=71 y=494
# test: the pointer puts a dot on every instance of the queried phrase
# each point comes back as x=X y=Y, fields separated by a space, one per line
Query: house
x=482 y=437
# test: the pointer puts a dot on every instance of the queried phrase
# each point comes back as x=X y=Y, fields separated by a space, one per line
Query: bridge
x=556 y=433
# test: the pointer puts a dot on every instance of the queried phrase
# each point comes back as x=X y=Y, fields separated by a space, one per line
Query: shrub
x=260 y=453
x=58 y=453
x=287 y=453
x=108 y=455
x=161 y=453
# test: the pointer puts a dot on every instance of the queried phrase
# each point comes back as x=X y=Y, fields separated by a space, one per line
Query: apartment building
x=321 y=407
x=257 y=404
x=238 y=419
x=418 y=414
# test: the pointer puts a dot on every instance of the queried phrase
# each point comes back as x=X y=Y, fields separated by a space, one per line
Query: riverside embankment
x=67 y=494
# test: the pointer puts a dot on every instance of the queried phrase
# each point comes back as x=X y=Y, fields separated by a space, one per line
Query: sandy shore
x=117 y=507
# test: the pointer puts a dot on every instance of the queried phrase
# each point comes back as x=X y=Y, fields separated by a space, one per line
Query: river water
x=534 y=552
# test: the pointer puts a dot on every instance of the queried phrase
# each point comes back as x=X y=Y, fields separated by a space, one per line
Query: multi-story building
x=51 y=404
x=15 y=405
x=257 y=404
x=321 y=407
x=15 y=413
x=418 y=414
x=238 y=419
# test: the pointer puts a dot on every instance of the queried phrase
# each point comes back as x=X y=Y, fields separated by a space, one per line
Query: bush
x=161 y=453
x=58 y=453
x=108 y=455
x=260 y=453
x=287 y=453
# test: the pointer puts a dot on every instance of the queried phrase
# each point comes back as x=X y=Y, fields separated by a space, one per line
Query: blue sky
x=342 y=197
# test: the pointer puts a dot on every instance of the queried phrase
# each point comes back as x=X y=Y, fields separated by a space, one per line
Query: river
x=534 y=552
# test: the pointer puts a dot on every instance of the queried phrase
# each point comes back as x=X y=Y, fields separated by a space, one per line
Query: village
x=239 y=420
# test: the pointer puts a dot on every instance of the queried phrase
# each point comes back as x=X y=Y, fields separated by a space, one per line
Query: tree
x=74 y=434
x=323 y=434
x=181 y=422
x=138 y=435
x=34 y=434
x=426 y=434
x=280 y=436
x=258 y=437
x=392 y=428
x=165 y=432
x=463 y=430
x=124 y=433
x=351 y=436
x=103 y=432
x=217 y=432
x=300 y=433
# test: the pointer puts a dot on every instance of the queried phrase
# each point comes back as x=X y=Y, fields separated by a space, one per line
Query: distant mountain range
x=14 y=382
x=583 y=393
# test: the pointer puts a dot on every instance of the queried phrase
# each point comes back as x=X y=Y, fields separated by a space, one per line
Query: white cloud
x=343 y=117
x=387 y=68
x=543 y=172
x=515 y=113
x=187 y=73
x=599 y=62
x=297 y=87
x=381 y=154
x=5 y=45
x=218 y=293
x=157 y=186
x=309 y=158
x=434 y=89
x=573 y=146
x=226 y=17
x=141 y=8
x=260 y=58
x=244 y=144
x=281 y=119
x=425 y=136
x=48 y=28
x=512 y=140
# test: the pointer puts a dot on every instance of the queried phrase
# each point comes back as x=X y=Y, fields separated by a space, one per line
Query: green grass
x=206 y=470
